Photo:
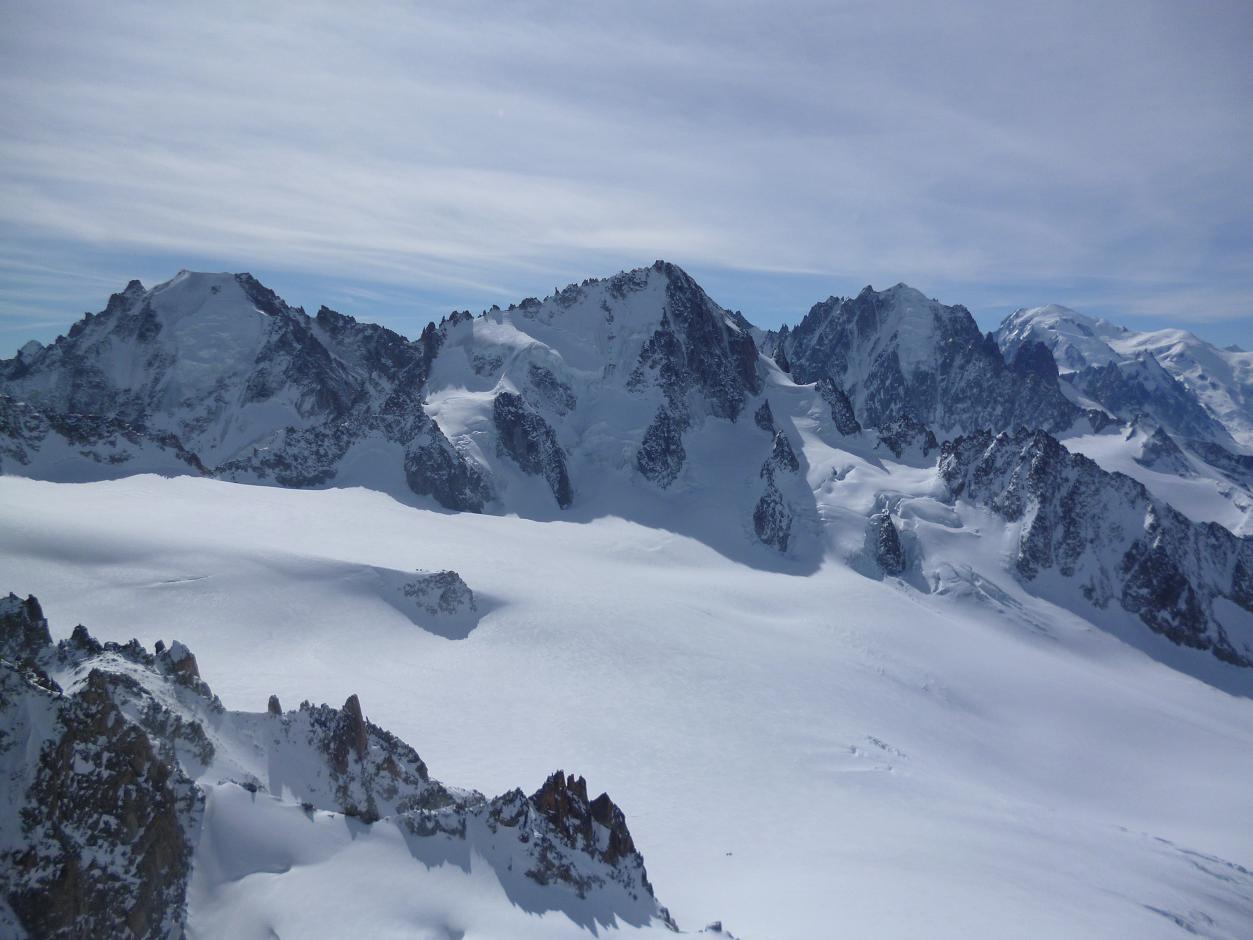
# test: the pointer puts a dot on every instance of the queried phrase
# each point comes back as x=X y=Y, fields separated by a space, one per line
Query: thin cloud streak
x=484 y=150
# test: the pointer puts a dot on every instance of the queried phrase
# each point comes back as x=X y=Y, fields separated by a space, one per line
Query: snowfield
x=801 y=749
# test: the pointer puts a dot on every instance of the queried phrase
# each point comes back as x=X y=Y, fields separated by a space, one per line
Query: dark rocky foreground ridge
x=110 y=752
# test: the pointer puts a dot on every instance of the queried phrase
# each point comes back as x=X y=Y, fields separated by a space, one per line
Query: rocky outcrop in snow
x=1236 y=467
x=1160 y=452
x=532 y=444
x=661 y=455
x=885 y=542
x=907 y=438
x=841 y=408
x=440 y=593
x=773 y=516
x=1107 y=533
x=108 y=754
x=763 y=417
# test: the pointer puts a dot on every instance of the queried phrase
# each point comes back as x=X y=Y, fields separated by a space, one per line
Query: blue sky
x=397 y=161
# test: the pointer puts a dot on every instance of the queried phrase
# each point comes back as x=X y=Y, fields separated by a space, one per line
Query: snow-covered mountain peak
x=1076 y=340
x=1219 y=381
x=637 y=329
x=899 y=355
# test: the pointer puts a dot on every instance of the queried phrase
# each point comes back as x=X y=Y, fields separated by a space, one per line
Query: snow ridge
x=124 y=758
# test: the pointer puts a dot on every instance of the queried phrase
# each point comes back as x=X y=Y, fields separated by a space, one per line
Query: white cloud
x=481 y=147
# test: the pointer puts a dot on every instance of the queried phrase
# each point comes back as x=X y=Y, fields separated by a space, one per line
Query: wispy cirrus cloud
x=466 y=153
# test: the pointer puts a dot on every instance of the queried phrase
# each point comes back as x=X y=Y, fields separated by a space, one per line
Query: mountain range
x=1099 y=471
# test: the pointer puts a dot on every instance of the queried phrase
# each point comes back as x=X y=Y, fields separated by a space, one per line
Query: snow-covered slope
x=843 y=752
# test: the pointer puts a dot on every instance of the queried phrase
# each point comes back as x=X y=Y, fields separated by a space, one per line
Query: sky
x=397 y=161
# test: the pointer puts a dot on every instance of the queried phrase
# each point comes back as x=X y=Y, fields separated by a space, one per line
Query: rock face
x=1107 y=533
x=1160 y=452
x=81 y=783
x=697 y=346
x=531 y=442
x=214 y=373
x=886 y=543
x=1237 y=467
x=593 y=827
x=841 y=408
x=763 y=417
x=661 y=455
x=772 y=519
x=440 y=593
x=897 y=355
x=103 y=784
x=1138 y=387
x=772 y=516
x=906 y=437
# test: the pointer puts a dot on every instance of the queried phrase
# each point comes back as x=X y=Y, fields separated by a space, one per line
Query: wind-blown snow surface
x=799 y=753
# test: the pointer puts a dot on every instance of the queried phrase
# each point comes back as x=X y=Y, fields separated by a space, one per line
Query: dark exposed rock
x=1160 y=452
x=106 y=818
x=781 y=359
x=181 y=661
x=904 y=436
x=341 y=381
x=697 y=346
x=349 y=736
x=109 y=442
x=23 y=629
x=530 y=440
x=763 y=417
x=550 y=390
x=434 y=468
x=440 y=592
x=772 y=519
x=841 y=408
x=886 y=542
x=579 y=823
x=772 y=516
x=898 y=355
x=782 y=457
x=1108 y=532
x=1237 y=467
x=1140 y=386
x=1034 y=358
x=661 y=454
x=83 y=641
